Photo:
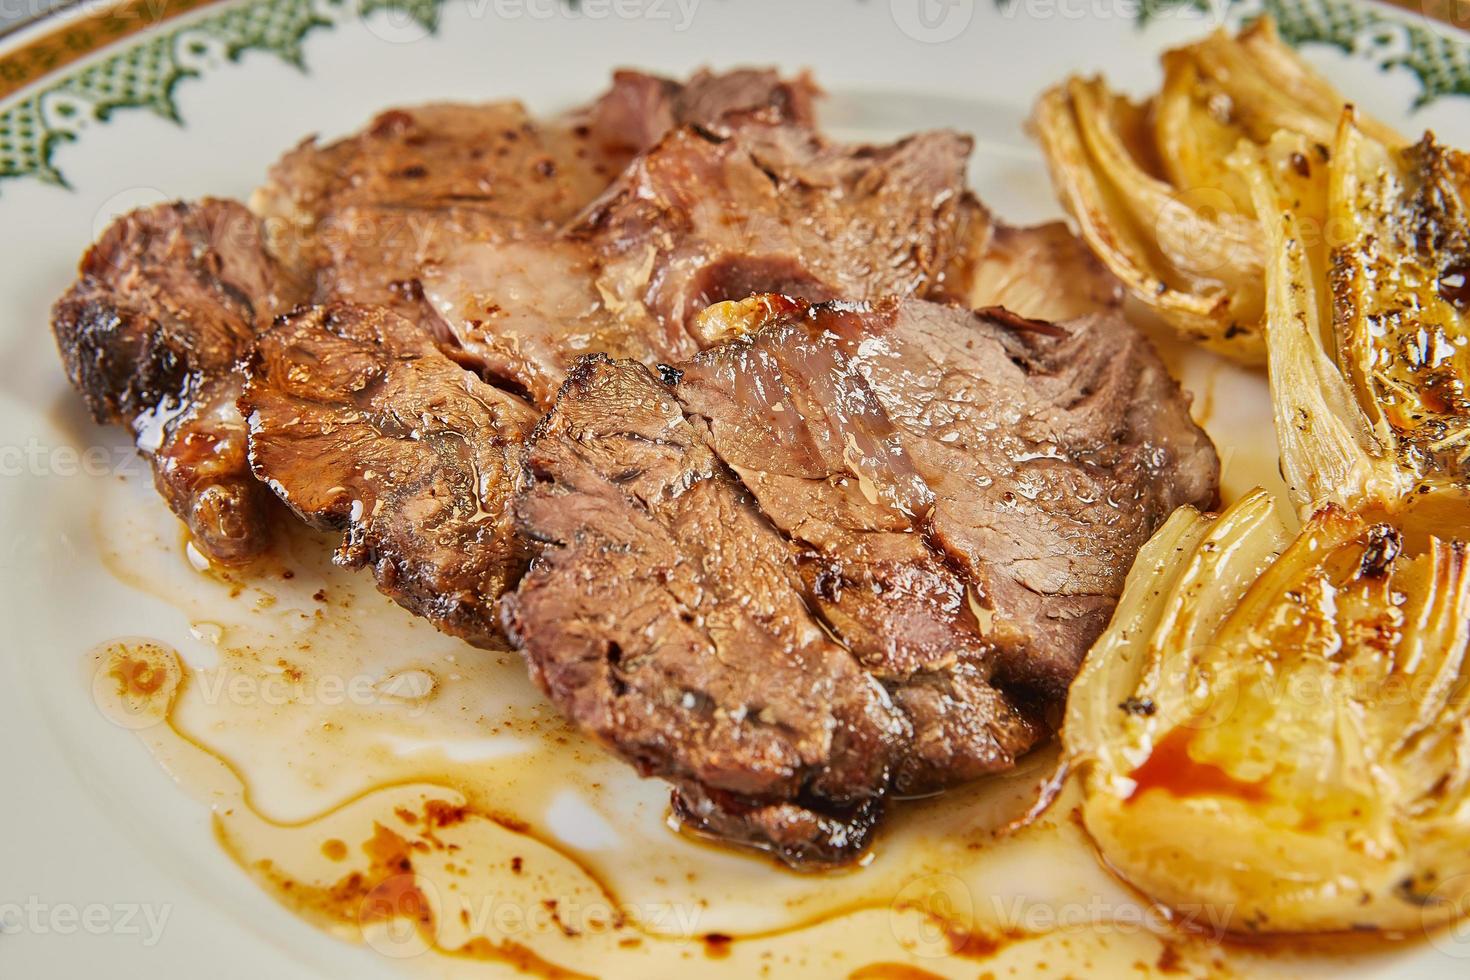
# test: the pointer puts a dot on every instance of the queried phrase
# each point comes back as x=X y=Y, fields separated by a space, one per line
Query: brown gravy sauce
x=1171 y=769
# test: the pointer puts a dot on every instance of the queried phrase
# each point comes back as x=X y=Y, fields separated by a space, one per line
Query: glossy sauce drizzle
x=1171 y=769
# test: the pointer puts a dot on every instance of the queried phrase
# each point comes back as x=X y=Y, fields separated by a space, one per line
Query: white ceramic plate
x=107 y=867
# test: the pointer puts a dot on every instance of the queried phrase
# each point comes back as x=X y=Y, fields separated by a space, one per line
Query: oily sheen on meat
x=165 y=306
x=852 y=550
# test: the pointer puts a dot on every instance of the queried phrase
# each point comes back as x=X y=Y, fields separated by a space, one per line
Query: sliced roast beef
x=524 y=307
x=368 y=211
x=361 y=424
x=166 y=305
x=761 y=206
x=523 y=311
x=667 y=615
x=941 y=503
x=703 y=216
x=365 y=215
x=639 y=109
x=1051 y=453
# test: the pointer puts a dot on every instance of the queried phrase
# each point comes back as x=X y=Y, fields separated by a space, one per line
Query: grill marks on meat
x=939 y=503
x=166 y=305
x=756 y=206
x=361 y=424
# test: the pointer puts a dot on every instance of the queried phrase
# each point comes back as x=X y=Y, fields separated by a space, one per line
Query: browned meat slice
x=166 y=305
x=800 y=836
x=1051 y=454
x=701 y=218
x=948 y=500
x=362 y=218
x=1042 y=271
x=388 y=188
x=787 y=410
x=759 y=206
x=371 y=217
x=360 y=423
x=639 y=109
x=365 y=214
x=523 y=311
x=523 y=308
x=667 y=617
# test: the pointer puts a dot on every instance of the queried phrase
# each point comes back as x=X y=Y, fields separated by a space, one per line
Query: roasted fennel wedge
x=1277 y=722
x=1278 y=726
x=1150 y=190
x=1369 y=323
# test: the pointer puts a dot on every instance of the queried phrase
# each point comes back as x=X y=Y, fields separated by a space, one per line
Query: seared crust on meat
x=636 y=112
x=361 y=424
x=750 y=204
x=387 y=198
x=799 y=836
x=450 y=215
x=167 y=303
x=853 y=549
